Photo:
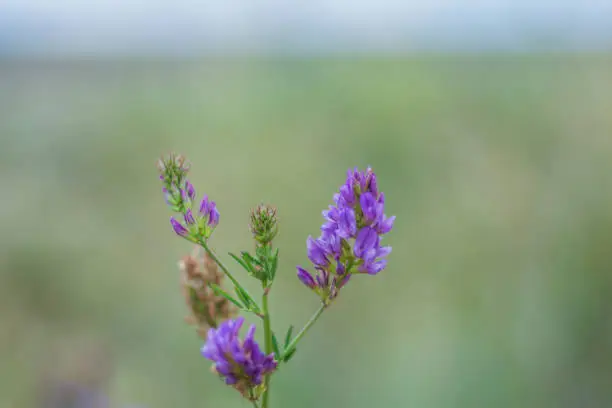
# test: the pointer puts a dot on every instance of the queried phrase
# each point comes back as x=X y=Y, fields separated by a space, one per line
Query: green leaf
x=241 y=295
x=277 y=352
x=250 y=259
x=288 y=354
x=288 y=336
x=247 y=299
x=240 y=261
x=273 y=265
x=220 y=292
x=262 y=252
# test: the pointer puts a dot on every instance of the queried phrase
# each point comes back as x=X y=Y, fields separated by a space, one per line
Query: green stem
x=302 y=332
x=215 y=258
x=268 y=345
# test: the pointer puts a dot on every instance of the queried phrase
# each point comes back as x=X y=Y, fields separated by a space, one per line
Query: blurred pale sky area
x=45 y=27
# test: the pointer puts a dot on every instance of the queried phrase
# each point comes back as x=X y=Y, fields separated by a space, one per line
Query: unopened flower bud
x=264 y=223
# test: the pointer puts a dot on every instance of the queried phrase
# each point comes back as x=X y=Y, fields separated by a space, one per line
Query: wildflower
x=241 y=363
x=350 y=237
x=206 y=308
x=180 y=195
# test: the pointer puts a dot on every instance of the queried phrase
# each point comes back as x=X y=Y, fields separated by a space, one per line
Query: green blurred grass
x=498 y=168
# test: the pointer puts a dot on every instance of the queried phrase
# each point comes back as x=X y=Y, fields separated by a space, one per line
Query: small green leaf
x=277 y=352
x=240 y=261
x=288 y=336
x=288 y=354
x=247 y=299
x=273 y=265
x=220 y=292
x=250 y=259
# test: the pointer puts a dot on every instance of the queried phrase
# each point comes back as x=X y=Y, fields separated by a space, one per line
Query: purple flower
x=190 y=190
x=370 y=207
x=367 y=242
x=371 y=184
x=386 y=225
x=316 y=252
x=204 y=206
x=189 y=217
x=350 y=237
x=241 y=364
x=208 y=210
x=347 y=196
x=179 y=228
x=347 y=224
x=213 y=214
x=305 y=277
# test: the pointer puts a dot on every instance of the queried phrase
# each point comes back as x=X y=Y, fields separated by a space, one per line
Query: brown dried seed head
x=206 y=309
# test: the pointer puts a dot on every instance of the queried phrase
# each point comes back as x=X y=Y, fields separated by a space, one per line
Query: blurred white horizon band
x=98 y=27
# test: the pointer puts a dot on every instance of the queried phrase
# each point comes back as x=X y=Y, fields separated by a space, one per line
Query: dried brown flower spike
x=206 y=309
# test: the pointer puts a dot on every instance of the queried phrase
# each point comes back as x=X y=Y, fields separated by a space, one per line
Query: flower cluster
x=241 y=364
x=350 y=240
x=180 y=195
x=207 y=309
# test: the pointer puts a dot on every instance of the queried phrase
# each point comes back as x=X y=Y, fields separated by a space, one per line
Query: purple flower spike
x=305 y=277
x=240 y=363
x=179 y=228
x=350 y=237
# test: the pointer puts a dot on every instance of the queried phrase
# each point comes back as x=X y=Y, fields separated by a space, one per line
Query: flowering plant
x=349 y=245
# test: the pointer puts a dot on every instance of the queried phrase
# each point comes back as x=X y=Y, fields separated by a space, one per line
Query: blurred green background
x=498 y=167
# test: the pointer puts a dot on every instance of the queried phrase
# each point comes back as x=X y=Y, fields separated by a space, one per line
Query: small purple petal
x=344 y=281
x=189 y=217
x=369 y=207
x=375 y=267
x=204 y=206
x=383 y=251
x=367 y=239
x=322 y=278
x=223 y=368
x=305 y=277
x=249 y=339
x=315 y=253
x=372 y=185
x=347 y=224
x=347 y=195
x=213 y=219
x=179 y=229
x=190 y=190
x=386 y=225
